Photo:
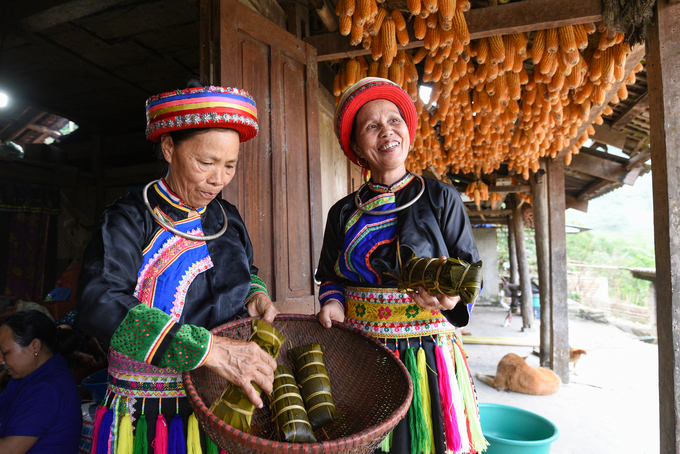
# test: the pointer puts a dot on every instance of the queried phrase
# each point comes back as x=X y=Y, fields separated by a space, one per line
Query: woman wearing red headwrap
x=368 y=234
x=171 y=262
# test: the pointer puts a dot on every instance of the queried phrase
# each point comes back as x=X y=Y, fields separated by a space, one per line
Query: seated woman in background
x=40 y=409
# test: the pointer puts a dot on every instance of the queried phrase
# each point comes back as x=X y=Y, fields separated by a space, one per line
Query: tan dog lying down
x=514 y=374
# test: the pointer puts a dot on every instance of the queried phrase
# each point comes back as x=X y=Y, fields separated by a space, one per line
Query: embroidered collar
x=401 y=184
x=173 y=199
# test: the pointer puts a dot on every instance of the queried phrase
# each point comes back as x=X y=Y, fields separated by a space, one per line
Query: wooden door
x=277 y=184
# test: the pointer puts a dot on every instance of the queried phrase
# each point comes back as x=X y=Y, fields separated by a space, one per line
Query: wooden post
x=664 y=101
x=512 y=254
x=523 y=262
x=559 y=312
x=539 y=198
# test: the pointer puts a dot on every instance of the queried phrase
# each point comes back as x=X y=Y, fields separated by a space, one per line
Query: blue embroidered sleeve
x=331 y=291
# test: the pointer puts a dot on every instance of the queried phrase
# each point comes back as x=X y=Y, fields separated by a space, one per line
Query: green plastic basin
x=511 y=430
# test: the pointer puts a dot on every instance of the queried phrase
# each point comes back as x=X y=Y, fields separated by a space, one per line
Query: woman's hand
x=433 y=301
x=241 y=362
x=260 y=304
x=332 y=311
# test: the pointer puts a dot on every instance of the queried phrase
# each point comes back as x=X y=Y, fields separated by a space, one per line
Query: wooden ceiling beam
x=40 y=15
x=593 y=190
x=572 y=202
x=483 y=22
x=489 y=213
x=639 y=159
x=640 y=105
x=605 y=134
x=510 y=189
x=603 y=168
x=636 y=55
x=43 y=129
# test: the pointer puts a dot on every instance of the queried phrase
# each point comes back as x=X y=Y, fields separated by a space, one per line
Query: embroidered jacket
x=154 y=295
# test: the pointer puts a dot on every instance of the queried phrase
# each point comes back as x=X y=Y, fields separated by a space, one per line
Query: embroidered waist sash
x=131 y=378
x=387 y=313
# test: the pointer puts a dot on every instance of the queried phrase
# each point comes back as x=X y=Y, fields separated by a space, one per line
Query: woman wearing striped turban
x=392 y=217
x=168 y=264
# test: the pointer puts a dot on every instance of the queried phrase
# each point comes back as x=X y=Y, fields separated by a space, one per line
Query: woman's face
x=382 y=136
x=201 y=165
x=18 y=361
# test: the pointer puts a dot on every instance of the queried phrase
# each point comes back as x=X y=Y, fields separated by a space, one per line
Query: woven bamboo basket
x=371 y=388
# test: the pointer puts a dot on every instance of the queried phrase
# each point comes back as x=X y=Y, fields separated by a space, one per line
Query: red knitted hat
x=366 y=90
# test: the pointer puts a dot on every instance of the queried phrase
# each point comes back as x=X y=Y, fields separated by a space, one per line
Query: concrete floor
x=611 y=406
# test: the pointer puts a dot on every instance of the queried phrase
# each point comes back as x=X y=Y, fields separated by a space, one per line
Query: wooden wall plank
x=255 y=170
x=297 y=182
x=664 y=110
x=314 y=166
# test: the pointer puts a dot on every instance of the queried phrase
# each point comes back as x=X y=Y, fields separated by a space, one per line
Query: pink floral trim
x=181 y=294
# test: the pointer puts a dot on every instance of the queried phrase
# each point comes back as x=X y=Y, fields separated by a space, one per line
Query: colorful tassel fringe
x=386 y=444
x=420 y=441
x=457 y=401
x=104 y=431
x=451 y=432
x=124 y=444
x=98 y=415
x=210 y=445
x=141 y=440
x=477 y=439
x=425 y=396
x=160 y=441
x=176 y=440
x=193 y=436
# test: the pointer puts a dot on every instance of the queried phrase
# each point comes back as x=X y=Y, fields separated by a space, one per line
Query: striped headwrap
x=366 y=90
x=201 y=107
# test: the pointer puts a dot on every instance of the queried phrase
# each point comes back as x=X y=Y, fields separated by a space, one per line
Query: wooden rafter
x=640 y=105
x=605 y=134
x=483 y=22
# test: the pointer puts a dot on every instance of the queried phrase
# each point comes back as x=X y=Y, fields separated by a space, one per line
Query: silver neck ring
x=357 y=200
x=172 y=229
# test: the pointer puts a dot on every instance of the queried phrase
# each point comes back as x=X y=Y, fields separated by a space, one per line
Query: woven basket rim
x=248 y=440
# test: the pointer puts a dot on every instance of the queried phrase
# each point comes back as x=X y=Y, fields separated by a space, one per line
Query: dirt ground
x=611 y=406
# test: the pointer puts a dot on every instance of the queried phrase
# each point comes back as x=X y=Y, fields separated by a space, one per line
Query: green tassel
x=425 y=397
x=419 y=437
x=467 y=392
x=386 y=444
x=141 y=445
x=211 y=446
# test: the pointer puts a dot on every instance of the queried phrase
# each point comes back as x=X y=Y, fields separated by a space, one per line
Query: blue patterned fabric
x=171 y=263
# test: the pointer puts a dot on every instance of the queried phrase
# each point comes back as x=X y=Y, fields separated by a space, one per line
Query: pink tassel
x=160 y=442
x=453 y=441
x=98 y=415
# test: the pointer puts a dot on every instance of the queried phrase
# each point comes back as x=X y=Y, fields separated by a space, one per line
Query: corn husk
x=288 y=409
x=312 y=377
x=451 y=277
x=233 y=406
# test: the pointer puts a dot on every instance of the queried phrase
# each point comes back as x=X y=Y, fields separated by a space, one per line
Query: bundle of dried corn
x=477 y=191
x=524 y=197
